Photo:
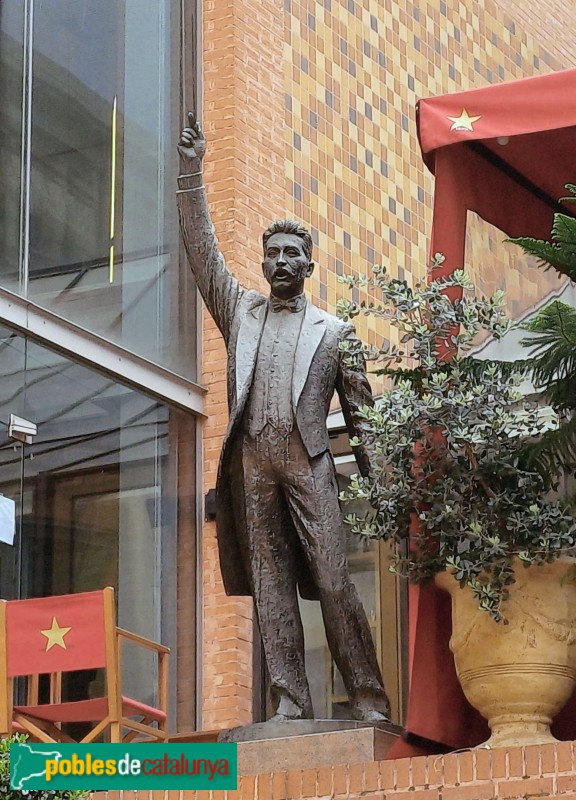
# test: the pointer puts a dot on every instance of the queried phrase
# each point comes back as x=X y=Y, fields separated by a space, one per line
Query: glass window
x=99 y=206
x=96 y=493
x=12 y=22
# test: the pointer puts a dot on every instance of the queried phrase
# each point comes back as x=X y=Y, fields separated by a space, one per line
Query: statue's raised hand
x=192 y=144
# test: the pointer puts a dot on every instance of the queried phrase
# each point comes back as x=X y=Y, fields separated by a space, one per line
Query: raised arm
x=218 y=287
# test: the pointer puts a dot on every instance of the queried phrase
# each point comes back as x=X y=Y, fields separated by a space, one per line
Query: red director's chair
x=53 y=635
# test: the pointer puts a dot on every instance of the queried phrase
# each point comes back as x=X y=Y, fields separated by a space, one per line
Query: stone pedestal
x=307 y=744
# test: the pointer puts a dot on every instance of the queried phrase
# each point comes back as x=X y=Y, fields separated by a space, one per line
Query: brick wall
x=309 y=109
x=354 y=72
x=503 y=774
x=549 y=23
x=243 y=92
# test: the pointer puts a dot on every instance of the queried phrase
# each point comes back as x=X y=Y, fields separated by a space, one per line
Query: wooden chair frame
x=119 y=709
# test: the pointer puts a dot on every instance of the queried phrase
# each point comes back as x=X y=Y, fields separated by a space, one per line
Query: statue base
x=308 y=744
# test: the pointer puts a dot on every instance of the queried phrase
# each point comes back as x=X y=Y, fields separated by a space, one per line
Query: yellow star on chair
x=464 y=122
x=55 y=635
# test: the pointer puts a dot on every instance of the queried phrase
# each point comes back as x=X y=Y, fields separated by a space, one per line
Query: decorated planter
x=518 y=675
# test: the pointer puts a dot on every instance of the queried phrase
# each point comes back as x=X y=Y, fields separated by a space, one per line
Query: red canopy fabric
x=505 y=152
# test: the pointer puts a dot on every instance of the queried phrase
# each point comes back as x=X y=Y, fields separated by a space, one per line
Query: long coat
x=320 y=368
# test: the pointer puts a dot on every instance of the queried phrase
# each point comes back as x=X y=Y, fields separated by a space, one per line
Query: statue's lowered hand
x=192 y=143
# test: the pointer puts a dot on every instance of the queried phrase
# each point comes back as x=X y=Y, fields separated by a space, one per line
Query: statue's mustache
x=288 y=272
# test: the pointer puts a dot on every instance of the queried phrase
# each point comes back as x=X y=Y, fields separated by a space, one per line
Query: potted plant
x=7 y=793
x=449 y=488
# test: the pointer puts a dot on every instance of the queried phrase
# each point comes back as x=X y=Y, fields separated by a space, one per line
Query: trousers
x=291 y=510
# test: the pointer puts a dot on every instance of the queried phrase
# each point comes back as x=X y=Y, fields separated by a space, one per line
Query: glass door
x=13 y=558
x=94 y=492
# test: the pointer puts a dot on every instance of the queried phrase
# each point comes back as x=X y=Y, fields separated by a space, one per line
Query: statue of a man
x=278 y=520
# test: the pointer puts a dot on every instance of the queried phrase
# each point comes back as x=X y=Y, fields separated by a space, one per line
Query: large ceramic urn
x=518 y=675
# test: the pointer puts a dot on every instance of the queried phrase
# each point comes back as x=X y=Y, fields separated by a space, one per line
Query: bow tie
x=293 y=304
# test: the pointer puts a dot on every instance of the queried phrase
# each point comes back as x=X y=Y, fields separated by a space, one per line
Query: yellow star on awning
x=55 y=635
x=464 y=122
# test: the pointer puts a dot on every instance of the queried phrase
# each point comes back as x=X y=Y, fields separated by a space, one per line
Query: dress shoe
x=288 y=709
x=371 y=715
x=371 y=709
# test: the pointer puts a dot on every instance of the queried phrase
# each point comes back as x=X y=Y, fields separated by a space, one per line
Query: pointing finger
x=194 y=124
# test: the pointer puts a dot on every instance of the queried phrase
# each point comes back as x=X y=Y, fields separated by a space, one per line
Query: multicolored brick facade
x=353 y=74
x=309 y=108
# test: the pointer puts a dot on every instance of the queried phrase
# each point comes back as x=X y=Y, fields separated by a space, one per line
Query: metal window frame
x=85 y=347
x=192 y=98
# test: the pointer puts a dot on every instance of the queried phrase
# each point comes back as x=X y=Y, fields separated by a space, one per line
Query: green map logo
x=100 y=767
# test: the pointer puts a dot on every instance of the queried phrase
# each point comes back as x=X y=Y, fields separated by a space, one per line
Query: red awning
x=505 y=152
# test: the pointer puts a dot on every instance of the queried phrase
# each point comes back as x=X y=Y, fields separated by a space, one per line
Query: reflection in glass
x=75 y=67
x=103 y=235
x=13 y=361
x=12 y=21
x=94 y=491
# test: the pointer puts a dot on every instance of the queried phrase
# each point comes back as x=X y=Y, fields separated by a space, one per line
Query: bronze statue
x=278 y=519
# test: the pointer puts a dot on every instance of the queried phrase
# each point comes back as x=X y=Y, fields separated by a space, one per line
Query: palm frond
x=561 y=257
x=564 y=231
x=553 y=349
x=553 y=454
x=571 y=188
x=560 y=252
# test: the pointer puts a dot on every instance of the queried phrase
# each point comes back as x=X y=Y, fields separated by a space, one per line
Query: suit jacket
x=319 y=369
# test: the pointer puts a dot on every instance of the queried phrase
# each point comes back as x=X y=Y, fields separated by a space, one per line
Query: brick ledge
x=545 y=772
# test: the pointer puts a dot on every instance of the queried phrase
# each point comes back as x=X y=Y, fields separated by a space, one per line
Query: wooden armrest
x=142 y=641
